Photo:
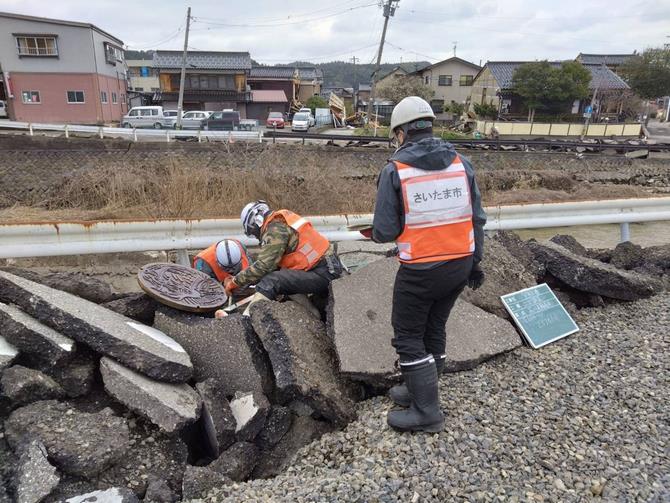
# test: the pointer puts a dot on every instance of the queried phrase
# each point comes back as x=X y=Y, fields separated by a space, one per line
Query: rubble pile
x=162 y=405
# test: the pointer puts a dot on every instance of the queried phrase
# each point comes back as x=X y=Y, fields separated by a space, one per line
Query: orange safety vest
x=438 y=214
x=209 y=256
x=312 y=246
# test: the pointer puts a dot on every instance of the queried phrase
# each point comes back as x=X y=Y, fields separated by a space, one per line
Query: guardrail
x=73 y=238
x=134 y=133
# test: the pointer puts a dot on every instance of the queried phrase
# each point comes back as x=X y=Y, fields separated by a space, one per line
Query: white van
x=139 y=117
x=3 y=110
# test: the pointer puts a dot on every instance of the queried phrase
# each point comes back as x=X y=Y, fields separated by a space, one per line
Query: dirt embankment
x=57 y=179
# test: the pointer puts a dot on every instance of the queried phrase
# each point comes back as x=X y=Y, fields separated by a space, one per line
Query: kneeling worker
x=294 y=257
x=429 y=204
x=222 y=260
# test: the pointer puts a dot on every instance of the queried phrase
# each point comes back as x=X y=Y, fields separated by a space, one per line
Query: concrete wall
x=559 y=129
x=455 y=92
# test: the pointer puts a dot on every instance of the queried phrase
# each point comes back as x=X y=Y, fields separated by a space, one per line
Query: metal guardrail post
x=67 y=135
x=199 y=136
x=182 y=258
x=30 y=128
x=135 y=135
x=102 y=136
x=625 y=232
x=167 y=136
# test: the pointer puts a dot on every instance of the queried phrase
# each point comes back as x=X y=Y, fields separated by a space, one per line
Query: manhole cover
x=181 y=287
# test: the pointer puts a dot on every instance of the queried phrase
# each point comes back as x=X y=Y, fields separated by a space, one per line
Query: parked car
x=139 y=117
x=249 y=124
x=227 y=120
x=275 y=119
x=194 y=119
x=308 y=111
x=300 y=122
x=3 y=109
x=169 y=118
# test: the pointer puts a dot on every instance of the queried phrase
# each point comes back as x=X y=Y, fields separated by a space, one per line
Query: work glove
x=229 y=285
x=476 y=278
x=367 y=233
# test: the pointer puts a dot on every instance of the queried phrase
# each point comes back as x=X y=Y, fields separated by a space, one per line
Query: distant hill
x=139 y=54
x=345 y=74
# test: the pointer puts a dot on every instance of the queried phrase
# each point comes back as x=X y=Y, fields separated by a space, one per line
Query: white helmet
x=253 y=216
x=409 y=110
x=228 y=254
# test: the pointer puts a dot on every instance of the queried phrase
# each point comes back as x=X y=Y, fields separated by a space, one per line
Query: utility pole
x=389 y=10
x=182 y=79
x=354 y=60
x=593 y=101
x=455 y=44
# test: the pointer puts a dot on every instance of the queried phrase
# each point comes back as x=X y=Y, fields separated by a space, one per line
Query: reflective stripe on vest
x=312 y=245
x=209 y=256
x=438 y=214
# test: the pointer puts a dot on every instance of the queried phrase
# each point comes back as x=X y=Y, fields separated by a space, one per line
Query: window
x=444 y=80
x=427 y=79
x=123 y=98
x=103 y=96
x=37 y=45
x=145 y=112
x=30 y=97
x=139 y=89
x=154 y=111
x=114 y=100
x=465 y=80
x=75 y=96
x=113 y=53
x=134 y=113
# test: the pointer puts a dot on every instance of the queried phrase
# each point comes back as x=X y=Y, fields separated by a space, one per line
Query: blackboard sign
x=539 y=314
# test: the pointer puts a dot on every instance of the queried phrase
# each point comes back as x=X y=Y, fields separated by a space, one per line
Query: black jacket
x=427 y=153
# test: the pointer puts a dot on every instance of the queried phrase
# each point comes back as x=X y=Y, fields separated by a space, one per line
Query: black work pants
x=422 y=301
x=290 y=282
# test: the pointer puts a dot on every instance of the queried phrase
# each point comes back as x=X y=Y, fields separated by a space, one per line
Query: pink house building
x=61 y=71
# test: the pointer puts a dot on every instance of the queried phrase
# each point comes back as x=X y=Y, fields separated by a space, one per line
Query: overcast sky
x=280 y=31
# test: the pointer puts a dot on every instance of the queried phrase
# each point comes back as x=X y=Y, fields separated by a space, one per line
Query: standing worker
x=294 y=257
x=429 y=204
x=222 y=260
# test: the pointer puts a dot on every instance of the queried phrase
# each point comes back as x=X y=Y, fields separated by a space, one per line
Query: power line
x=412 y=52
x=308 y=58
x=161 y=42
x=273 y=25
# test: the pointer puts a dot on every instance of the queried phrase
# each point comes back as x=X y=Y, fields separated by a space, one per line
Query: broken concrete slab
x=217 y=416
x=169 y=406
x=249 y=410
x=570 y=243
x=226 y=349
x=303 y=359
x=364 y=246
x=237 y=462
x=154 y=455
x=593 y=276
x=7 y=353
x=302 y=432
x=200 y=480
x=504 y=274
x=35 y=477
x=360 y=325
x=519 y=249
x=138 y=306
x=78 y=443
x=278 y=422
x=641 y=153
x=23 y=385
x=112 y=495
x=355 y=261
x=32 y=337
x=73 y=282
x=77 y=376
x=474 y=336
x=158 y=491
x=137 y=346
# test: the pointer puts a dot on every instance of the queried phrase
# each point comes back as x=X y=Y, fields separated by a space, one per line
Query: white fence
x=559 y=129
x=70 y=238
x=135 y=134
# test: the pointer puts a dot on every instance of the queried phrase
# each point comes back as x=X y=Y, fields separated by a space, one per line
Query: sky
x=281 y=31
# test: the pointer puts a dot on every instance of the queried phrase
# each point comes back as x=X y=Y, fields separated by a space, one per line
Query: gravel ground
x=583 y=419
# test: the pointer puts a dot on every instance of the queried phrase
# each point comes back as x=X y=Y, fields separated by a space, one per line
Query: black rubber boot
x=399 y=393
x=424 y=412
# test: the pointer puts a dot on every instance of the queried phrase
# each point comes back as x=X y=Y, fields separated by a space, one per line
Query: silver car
x=193 y=119
x=139 y=117
x=169 y=118
x=300 y=122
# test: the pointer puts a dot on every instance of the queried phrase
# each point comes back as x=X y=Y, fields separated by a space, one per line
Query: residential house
x=346 y=93
x=298 y=83
x=611 y=61
x=362 y=94
x=61 y=71
x=395 y=73
x=142 y=76
x=214 y=80
x=265 y=101
x=493 y=85
x=451 y=81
